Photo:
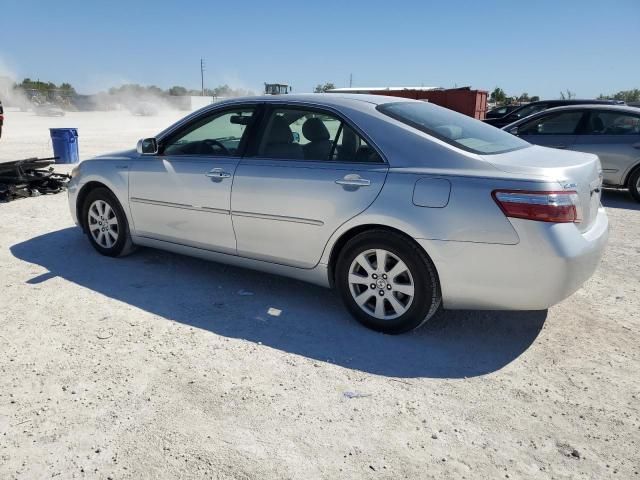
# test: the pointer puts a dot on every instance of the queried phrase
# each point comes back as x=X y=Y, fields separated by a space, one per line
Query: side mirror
x=147 y=146
x=296 y=137
x=513 y=131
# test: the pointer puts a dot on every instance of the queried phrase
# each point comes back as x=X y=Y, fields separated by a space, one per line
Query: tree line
x=30 y=85
x=499 y=96
x=632 y=95
x=66 y=89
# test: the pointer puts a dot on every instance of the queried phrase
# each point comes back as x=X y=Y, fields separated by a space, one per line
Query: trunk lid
x=577 y=171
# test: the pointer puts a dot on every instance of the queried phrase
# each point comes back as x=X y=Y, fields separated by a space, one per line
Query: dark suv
x=535 y=107
x=1 y=118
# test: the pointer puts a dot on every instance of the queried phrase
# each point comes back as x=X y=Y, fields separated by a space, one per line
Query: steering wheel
x=211 y=143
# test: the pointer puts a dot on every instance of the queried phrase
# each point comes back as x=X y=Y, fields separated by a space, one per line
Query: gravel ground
x=162 y=366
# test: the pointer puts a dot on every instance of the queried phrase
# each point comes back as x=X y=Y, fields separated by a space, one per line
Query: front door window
x=562 y=123
x=220 y=135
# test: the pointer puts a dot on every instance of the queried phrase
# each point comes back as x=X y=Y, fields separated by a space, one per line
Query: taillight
x=558 y=207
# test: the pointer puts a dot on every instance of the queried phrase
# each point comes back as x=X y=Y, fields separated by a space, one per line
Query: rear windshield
x=454 y=128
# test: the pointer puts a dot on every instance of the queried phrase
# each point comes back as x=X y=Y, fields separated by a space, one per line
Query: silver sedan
x=610 y=131
x=400 y=205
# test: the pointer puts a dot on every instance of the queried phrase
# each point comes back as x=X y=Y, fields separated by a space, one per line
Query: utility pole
x=202 y=74
x=350 y=80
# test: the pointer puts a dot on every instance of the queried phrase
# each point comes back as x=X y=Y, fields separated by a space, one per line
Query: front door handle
x=354 y=180
x=561 y=147
x=217 y=173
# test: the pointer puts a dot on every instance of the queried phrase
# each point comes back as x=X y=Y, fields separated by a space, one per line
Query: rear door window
x=312 y=135
x=612 y=123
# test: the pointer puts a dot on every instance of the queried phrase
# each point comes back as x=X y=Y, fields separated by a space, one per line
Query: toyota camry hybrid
x=400 y=205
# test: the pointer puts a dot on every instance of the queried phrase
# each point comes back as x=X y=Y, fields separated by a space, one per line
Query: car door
x=613 y=135
x=555 y=129
x=309 y=173
x=183 y=194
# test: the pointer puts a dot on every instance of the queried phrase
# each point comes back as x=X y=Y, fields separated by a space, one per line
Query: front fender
x=113 y=173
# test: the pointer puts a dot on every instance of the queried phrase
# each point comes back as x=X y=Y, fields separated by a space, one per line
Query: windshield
x=454 y=128
x=527 y=110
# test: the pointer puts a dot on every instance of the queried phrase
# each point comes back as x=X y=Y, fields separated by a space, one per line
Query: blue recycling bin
x=65 y=144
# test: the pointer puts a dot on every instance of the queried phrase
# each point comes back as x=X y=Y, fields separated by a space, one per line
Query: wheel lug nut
x=374 y=276
x=381 y=292
x=384 y=275
x=388 y=287
x=373 y=285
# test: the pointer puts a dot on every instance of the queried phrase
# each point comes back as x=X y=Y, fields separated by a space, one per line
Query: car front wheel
x=387 y=282
x=106 y=224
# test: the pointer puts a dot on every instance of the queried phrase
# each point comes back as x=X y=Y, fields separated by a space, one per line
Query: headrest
x=452 y=132
x=349 y=139
x=280 y=131
x=314 y=130
x=597 y=124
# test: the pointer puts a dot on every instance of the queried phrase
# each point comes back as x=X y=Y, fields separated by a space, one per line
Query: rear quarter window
x=453 y=128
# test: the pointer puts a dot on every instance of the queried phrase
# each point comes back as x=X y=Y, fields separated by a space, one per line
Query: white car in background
x=610 y=131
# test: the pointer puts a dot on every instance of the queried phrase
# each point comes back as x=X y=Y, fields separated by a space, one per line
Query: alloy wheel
x=381 y=284
x=103 y=224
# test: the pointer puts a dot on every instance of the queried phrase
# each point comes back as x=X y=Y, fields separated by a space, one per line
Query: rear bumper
x=550 y=263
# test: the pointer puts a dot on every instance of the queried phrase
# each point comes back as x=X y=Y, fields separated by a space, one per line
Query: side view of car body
x=539 y=106
x=401 y=205
x=612 y=132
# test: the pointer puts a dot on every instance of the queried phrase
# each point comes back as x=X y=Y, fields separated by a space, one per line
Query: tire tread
x=411 y=249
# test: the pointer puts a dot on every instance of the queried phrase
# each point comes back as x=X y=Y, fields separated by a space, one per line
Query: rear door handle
x=217 y=173
x=354 y=180
x=561 y=147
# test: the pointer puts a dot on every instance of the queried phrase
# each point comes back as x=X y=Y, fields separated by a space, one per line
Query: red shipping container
x=463 y=100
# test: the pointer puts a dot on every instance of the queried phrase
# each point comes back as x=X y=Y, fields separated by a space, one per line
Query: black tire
x=422 y=275
x=634 y=185
x=122 y=245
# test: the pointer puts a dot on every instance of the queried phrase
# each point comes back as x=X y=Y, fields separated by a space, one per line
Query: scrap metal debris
x=29 y=178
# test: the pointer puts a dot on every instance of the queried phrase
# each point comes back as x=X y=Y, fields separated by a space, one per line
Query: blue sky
x=539 y=47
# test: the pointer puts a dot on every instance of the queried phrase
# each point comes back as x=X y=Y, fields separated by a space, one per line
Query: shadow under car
x=615 y=198
x=281 y=313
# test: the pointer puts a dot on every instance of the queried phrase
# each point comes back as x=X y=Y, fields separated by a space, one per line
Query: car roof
x=617 y=108
x=577 y=101
x=329 y=99
x=354 y=101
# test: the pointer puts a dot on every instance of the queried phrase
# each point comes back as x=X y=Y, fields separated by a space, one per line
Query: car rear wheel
x=634 y=185
x=106 y=224
x=387 y=282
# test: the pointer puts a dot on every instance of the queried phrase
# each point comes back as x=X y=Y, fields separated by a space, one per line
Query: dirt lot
x=161 y=366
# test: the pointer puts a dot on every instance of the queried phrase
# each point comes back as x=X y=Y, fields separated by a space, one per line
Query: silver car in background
x=611 y=132
x=400 y=205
